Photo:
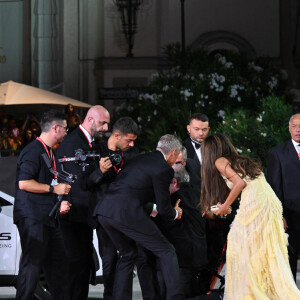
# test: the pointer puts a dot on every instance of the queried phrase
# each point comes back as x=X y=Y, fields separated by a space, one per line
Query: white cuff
x=176 y=214
x=154 y=211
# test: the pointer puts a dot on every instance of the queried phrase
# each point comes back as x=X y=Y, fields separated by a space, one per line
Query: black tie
x=197 y=145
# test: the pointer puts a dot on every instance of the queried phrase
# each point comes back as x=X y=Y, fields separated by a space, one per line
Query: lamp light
x=128 y=10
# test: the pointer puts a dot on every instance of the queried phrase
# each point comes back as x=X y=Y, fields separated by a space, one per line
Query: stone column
x=45 y=47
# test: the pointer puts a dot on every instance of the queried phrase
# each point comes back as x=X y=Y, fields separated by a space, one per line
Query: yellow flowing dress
x=257 y=266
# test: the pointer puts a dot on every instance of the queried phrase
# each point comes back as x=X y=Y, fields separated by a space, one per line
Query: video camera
x=64 y=176
x=80 y=157
x=85 y=158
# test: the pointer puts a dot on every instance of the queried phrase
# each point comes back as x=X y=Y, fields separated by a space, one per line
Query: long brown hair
x=213 y=186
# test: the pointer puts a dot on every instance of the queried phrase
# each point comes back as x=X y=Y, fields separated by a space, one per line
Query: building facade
x=77 y=48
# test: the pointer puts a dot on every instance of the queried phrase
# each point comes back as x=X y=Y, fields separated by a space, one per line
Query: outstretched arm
x=223 y=166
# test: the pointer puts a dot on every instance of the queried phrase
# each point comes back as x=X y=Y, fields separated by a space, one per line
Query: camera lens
x=115 y=159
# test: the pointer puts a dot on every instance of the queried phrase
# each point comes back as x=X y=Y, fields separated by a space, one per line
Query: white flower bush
x=257 y=68
x=216 y=85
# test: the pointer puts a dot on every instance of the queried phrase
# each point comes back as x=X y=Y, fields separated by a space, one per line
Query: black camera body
x=115 y=159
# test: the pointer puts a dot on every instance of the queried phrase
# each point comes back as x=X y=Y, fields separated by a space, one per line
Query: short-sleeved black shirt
x=35 y=206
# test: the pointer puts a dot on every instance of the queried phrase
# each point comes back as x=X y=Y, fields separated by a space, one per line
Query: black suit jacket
x=96 y=181
x=193 y=167
x=78 y=196
x=187 y=234
x=145 y=178
x=283 y=174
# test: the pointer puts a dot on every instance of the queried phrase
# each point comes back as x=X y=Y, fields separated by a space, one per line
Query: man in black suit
x=283 y=174
x=146 y=262
x=124 y=218
x=198 y=129
x=77 y=232
x=36 y=195
x=119 y=147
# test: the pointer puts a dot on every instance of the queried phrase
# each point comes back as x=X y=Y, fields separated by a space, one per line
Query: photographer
x=77 y=233
x=36 y=190
x=115 y=153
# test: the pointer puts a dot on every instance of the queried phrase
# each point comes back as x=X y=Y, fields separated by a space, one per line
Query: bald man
x=283 y=174
x=77 y=232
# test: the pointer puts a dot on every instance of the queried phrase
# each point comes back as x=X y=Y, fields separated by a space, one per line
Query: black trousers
x=294 y=250
x=125 y=240
x=42 y=248
x=109 y=257
x=146 y=270
x=186 y=282
x=293 y=222
x=78 y=238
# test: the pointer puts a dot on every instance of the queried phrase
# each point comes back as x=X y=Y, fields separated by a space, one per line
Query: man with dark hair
x=36 y=194
x=119 y=147
x=126 y=125
x=198 y=129
x=77 y=232
x=122 y=214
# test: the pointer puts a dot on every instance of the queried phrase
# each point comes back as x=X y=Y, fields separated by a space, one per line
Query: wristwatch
x=51 y=189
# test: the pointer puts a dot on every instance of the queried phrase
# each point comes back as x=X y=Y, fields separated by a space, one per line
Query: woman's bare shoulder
x=222 y=162
x=223 y=166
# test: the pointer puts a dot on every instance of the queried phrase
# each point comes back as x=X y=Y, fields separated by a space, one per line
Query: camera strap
x=51 y=157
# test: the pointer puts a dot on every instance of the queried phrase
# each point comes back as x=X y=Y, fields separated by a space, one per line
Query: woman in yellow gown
x=257 y=266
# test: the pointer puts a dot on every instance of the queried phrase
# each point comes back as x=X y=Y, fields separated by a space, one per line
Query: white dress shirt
x=297 y=147
x=198 y=151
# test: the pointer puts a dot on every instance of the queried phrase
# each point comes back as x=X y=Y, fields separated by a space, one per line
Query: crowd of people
x=16 y=133
x=147 y=212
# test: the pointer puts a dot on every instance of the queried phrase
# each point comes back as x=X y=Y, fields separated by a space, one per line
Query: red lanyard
x=91 y=146
x=121 y=165
x=52 y=159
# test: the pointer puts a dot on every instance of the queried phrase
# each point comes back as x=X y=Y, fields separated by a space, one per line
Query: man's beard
x=97 y=135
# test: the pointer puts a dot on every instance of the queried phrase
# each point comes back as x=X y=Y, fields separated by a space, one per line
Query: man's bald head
x=96 y=121
x=95 y=111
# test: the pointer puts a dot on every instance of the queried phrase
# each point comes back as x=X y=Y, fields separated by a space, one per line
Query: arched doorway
x=223 y=40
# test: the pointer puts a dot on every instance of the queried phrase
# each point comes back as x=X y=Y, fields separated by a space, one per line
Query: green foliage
x=206 y=83
x=255 y=133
